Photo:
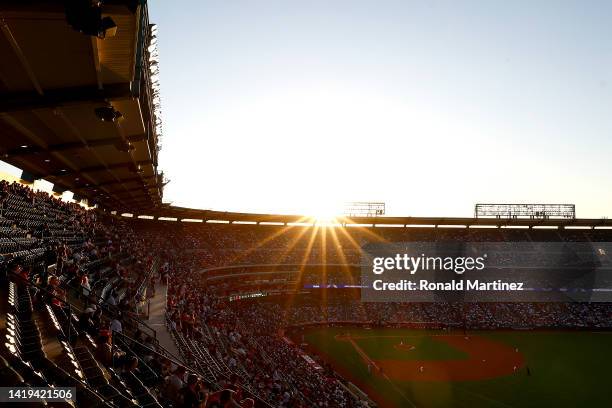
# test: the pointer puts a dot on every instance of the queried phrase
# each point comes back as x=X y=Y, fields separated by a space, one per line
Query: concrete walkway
x=157 y=319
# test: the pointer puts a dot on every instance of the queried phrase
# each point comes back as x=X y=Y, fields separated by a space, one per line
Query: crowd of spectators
x=255 y=355
x=90 y=268
x=236 y=351
x=244 y=334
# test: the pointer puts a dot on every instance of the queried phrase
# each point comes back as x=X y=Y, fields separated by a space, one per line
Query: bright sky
x=431 y=106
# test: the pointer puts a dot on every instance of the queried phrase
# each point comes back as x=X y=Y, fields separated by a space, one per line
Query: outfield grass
x=568 y=369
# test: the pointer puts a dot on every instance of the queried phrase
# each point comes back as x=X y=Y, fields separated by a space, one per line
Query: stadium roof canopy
x=53 y=82
x=190 y=214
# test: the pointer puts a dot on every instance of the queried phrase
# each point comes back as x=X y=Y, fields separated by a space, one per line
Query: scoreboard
x=531 y=211
x=364 y=209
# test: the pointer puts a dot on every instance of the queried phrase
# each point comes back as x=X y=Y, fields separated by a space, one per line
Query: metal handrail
x=121 y=337
x=68 y=336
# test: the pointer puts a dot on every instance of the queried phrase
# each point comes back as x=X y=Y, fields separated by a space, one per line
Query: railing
x=81 y=382
x=147 y=277
x=21 y=245
x=143 y=286
x=121 y=338
x=219 y=371
x=253 y=341
x=130 y=319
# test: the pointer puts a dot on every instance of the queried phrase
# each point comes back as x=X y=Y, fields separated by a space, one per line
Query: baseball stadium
x=111 y=295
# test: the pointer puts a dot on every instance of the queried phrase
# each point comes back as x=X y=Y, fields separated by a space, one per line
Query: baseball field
x=419 y=368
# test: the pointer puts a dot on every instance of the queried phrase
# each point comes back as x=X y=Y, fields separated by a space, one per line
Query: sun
x=325 y=220
x=325 y=213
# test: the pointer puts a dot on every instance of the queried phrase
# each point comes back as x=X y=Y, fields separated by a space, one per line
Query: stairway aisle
x=157 y=319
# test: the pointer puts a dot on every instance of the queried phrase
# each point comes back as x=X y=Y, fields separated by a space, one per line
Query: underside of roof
x=53 y=82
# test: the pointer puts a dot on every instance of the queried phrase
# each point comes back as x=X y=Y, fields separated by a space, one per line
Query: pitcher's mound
x=404 y=347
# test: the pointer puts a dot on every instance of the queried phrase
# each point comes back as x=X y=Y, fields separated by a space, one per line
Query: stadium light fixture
x=108 y=114
x=125 y=146
x=108 y=28
x=137 y=169
x=86 y=17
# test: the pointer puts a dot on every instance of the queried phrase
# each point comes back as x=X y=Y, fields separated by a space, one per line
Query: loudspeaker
x=58 y=189
x=28 y=177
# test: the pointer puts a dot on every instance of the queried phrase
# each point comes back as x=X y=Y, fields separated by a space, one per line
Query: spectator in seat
x=84 y=280
x=223 y=399
x=247 y=403
x=175 y=384
x=115 y=325
x=85 y=319
x=129 y=365
x=112 y=298
x=104 y=352
x=193 y=393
